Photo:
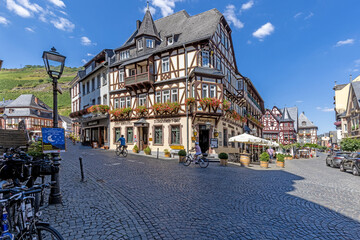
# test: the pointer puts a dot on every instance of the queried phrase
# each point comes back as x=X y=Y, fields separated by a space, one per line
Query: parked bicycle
x=20 y=218
x=202 y=160
x=121 y=150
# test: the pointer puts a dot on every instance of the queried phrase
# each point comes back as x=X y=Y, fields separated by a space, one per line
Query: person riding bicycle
x=197 y=151
x=122 y=142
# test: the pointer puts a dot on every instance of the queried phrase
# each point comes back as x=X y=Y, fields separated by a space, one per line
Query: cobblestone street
x=146 y=198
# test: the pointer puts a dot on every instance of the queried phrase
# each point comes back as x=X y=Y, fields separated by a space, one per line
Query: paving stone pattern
x=145 y=198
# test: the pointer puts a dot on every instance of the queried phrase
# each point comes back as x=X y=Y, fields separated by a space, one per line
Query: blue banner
x=53 y=140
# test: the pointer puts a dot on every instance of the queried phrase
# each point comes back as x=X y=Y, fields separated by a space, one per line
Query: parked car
x=334 y=159
x=351 y=163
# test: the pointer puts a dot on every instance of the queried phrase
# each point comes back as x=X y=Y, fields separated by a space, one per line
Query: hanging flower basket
x=190 y=101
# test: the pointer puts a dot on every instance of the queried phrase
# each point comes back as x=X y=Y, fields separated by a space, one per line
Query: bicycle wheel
x=124 y=152
x=117 y=151
x=187 y=161
x=41 y=231
x=203 y=162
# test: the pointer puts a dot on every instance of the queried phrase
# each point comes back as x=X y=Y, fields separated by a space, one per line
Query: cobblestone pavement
x=146 y=198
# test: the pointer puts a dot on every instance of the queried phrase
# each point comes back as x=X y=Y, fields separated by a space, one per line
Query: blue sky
x=293 y=51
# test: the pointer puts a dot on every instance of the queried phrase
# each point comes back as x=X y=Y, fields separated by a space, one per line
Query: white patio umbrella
x=246 y=138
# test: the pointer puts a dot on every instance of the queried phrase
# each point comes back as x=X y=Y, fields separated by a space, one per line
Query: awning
x=141 y=123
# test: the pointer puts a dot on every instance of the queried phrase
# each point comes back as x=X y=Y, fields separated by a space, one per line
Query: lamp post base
x=55 y=193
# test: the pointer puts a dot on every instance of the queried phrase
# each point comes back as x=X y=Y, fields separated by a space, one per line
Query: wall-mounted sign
x=167 y=120
x=150 y=139
x=93 y=123
x=53 y=140
x=193 y=139
x=214 y=143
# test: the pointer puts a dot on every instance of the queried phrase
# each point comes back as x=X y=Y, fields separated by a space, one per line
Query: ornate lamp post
x=54 y=64
x=5 y=117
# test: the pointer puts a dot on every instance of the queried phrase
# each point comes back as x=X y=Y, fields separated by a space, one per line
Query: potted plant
x=136 y=149
x=147 y=150
x=182 y=156
x=167 y=153
x=280 y=160
x=223 y=159
x=264 y=160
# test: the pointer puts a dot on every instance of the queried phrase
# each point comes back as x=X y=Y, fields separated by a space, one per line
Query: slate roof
x=65 y=119
x=286 y=116
x=340 y=86
x=183 y=27
x=147 y=26
x=308 y=123
x=356 y=87
x=4 y=103
x=28 y=100
x=293 y=111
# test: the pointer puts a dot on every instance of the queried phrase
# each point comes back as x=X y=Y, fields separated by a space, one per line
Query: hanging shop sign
x=53 y=140
x=214 y=143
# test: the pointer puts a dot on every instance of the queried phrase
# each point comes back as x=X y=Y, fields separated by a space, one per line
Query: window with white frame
x=128 y=101
x=174 y=95
x=116 y=104
x=158 y=97
x=149 y=43
x=166 y=96
x=193 y=91
x=142 y=100
x=212 y=91
x=124 y=54
x=104 y=79
x=170 y=40
x=205 y=58
x=121 y=75
x=122 y=102
x=165 y=65
x=140 y=44
x=205 y=90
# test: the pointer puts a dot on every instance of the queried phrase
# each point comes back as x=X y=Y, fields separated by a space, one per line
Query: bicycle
x=20 y=219
x=121 y=150
x=202 y=161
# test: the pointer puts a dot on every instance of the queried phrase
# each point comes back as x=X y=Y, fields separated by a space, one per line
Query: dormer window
x=149 y=43
x=124 y=54
x=140 y=44
x=170 y=40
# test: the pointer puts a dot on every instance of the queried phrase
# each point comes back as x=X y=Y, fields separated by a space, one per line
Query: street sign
x=53 y=140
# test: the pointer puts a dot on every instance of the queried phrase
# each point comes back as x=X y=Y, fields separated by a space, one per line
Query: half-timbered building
x=271 y=123
x=177 y=73
x=307 y=131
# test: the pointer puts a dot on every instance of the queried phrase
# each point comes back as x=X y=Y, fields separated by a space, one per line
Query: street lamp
x=54 y=64
x=5 y=117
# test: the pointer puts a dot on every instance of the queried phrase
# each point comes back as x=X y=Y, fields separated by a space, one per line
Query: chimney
x=138 y=23
x=350 y=78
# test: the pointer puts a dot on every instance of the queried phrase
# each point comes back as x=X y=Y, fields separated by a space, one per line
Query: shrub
x=223 y=155
x=136 y=149
x=182 y=153
x=280 y=158
x=147 y=150
x=264 y=157
x=41 y=80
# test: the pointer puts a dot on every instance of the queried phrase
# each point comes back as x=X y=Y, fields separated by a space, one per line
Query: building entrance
x=204 y=138
x=143 y=137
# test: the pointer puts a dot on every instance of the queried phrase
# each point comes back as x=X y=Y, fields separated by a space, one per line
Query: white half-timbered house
x=175 y=59
x=307 y=131
x=271 y=124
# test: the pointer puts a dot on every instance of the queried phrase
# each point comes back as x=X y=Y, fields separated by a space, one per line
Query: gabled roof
x=4 y=103
x=286 y=116
x=356 y=87
x=147 y=26
x=29 y=100
x=293 y=111
x=306 y=121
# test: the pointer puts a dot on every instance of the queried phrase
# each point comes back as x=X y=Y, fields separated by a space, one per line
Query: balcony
x=141 y=80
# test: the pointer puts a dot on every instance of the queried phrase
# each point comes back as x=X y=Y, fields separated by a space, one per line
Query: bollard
x=81 y=169
x=157 y=155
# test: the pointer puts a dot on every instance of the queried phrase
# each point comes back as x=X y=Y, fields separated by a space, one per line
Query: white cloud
x=4 y=21
x=325 y=109
x=309 y=16
x=298 y=14
x=345 y=42
x=18 y=9
x=90 y=55
x=58 y=3
x=29 y=29
x=83 y=61
x=166 y=6
x=231 y=16
x=299 y=101
x=86 y=41
x=63 y=24
x=152 y=10
x=63 y=13
x=247 y=5
x=31 y=6
x=248 y=42
x=263 y=31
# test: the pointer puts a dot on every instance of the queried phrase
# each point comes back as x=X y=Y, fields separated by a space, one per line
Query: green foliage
x=35 y=150
x=280 y=157
x=350 y=144
x=147 y=150
x=223 y=155
x=264 y=157
x=182 y=153
x=136 y=149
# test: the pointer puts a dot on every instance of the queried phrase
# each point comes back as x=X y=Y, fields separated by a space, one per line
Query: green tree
x=350 y=144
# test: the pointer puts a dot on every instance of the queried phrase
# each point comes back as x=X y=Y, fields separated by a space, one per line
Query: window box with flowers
x=121 y=113
x=226 y=105
x=190 y=102
x=210 y=103
x=166 y=108
x=141 y=111
x=98 y=109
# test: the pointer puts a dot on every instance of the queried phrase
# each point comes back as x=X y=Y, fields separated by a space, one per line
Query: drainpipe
x=186 y=97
